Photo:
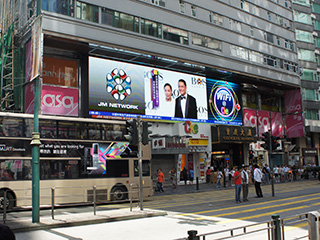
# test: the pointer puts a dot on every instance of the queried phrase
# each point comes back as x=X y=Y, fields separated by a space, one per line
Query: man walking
x=237 y=182
x=245 y=184
x=257 y=176
x=160 y=181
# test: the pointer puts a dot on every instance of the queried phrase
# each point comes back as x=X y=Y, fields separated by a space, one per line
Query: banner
x=29 y=98
x=294 y=116
x=263 y=122
x=277 y=124
x=250 y=118
x=60 y=101
x=36 y=48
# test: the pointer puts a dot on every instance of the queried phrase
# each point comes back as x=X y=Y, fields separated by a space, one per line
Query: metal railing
x=53 y=196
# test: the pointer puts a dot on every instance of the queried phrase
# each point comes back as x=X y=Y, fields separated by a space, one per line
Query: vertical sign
x=36 y=48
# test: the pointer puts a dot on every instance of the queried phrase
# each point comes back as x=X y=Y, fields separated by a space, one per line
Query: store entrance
x=219 y=161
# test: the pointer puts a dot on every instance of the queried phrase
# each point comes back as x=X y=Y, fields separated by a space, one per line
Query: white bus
x=75 y=155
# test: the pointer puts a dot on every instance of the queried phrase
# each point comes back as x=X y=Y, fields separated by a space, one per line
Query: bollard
x=94 y=200
x=197 y=182
x=313 y=225
x=52 y=203
x=277 y=229
x=130 y=187
x=192 y=235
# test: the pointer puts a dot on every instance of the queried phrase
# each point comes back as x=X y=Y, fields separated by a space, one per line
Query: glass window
x=252 y=31
x=161 y=3
x=15 y=170
x=244 y=5
x=315 y=8
x=194 y=11
x=125 y=21
x=208 y=42
x=48 y=129
x=255 y=57
x=278 y=41
x=316 y=24
x=182 y=7
x=175 y=35
x=249 y=100
x=317 y=42
x=304 y=36
x=269 y=60
x=269 y=102
x=302 y=17
x=13 y=127
x=255 y=10
x=306 y=55
x=268 y=37
x=87 y=12
x=216 y=19
x=310 y=94
x=302 y=2
x=311 y=114
x=235 y=25
x=59 y=169
x=150 y=28
x=239 y=52
x=107 y=16
x=65 y=7
x=145 y=168
x=308 y=74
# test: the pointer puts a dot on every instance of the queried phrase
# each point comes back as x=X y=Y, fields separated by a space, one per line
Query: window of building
x=107 y=16
x=269 y=16
x=309 y=75
x=306 y=55
x=255 y=10
x=278 y=41
x=315 y=8
x=268 y=37
x=216 y=18
x=279 y=20
x=302 y=2
x=239 y=52
x=288 y=44
x=311 y=114
x=87 y=12
x=235 y=25
x=244 y=5
x=286 y=4
x=161 y=3
x=182 y=7
x=317 y=42
x=318 y=59
x=175 y=34
x=151 y=28
x=269 y=60
x=194 y=11
x=255 y=57
x=252 y=31
x=310 y=94
x=304 y=36
x=249 y=100
x=65 y=7
x=316 y=24
x=302 y=17
x=269 y=102
x=126 y=21
x=207 y=42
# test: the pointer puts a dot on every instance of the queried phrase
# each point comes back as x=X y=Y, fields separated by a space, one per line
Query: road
x=203 y=211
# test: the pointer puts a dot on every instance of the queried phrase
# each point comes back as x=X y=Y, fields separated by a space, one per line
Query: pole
x=35 y=155
x=271 y=160
x=140 y=164
x=277 y=227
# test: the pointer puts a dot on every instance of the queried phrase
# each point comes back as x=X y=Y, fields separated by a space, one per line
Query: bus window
x=59 y=169
x=15 y=170
x=145 y=168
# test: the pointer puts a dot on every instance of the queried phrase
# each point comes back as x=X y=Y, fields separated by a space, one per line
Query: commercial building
x=238 y=59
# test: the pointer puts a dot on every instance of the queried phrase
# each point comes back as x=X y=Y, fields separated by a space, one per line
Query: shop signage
x=158 y=143
x=229 y=134
x=190 y=127
x=198 y=142
x=310 y=151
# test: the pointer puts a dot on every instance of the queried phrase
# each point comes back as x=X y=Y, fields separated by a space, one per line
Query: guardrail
x=133 y=190
x=275 y=228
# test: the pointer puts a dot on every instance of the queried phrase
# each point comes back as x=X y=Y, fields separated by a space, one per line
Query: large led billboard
x=119 y=89
x=223 y=102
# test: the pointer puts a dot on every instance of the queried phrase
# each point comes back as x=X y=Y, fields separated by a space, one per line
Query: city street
x=205 y=212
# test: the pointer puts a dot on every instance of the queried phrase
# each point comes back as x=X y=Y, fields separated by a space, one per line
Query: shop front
x=310 y=156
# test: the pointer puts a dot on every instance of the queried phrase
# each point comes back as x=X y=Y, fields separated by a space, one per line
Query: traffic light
x=250 y=154
x=275 y=143
x=266 y=139
x=132 y=135
x=146 y=132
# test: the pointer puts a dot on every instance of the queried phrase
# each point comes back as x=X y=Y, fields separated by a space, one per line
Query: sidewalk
x=24 y=224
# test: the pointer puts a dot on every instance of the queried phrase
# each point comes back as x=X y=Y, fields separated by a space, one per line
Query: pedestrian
x=245 y=184
x=185 y=175
x=6 y=233
x=208 y=172
x=276 y=173
x=160 y=181
x=191 y=175
x=237 y=182
x=232 y=176
x=219 y=176
x=257 y=176
x=173 y=177
x=226 y=174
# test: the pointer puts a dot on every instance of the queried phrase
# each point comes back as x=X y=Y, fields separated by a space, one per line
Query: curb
x=43 y=226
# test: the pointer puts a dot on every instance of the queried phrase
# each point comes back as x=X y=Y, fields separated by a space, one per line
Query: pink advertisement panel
x=250 y=118
x=28 y=61
x=294 y=118
x=277 y=124
x=263 y=122
x=29 y=98
x=60 y=101
x=294 y=125
x=293 y=102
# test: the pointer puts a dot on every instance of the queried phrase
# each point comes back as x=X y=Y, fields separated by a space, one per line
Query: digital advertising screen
x=223 y=102
x=125 y=90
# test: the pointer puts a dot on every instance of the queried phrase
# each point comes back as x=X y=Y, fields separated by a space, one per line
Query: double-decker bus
x=75 y=155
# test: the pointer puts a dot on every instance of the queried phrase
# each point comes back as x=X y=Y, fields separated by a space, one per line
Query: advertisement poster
x=125 y=90
x=223 y=102
x=250 y=118
x=60 y=101
x=263 y=122
x=277 y=124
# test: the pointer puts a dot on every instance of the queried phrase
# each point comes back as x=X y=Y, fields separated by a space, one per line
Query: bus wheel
x=10 y=200
x=118 y=193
